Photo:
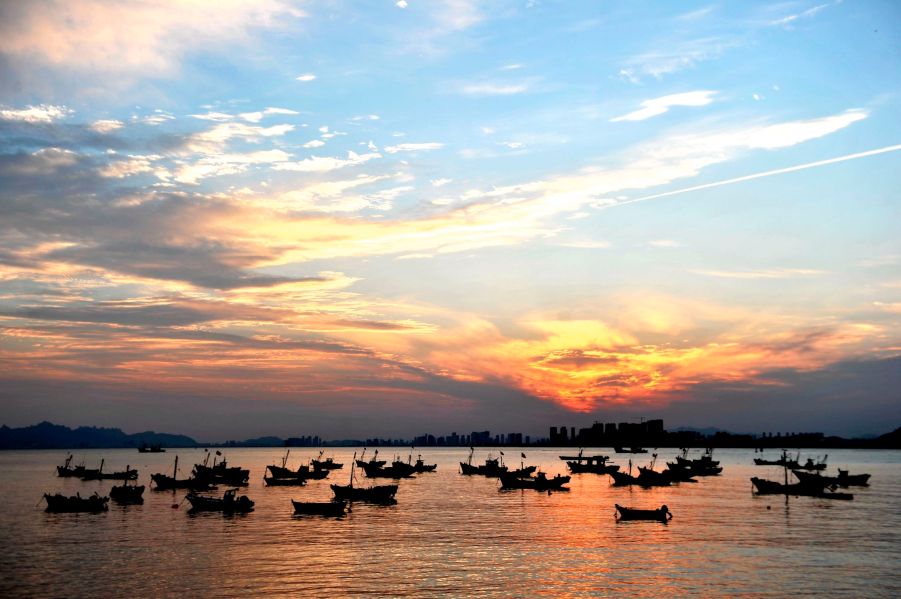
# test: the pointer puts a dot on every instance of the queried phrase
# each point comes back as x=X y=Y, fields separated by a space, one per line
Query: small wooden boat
x=492 y=468
x=812 y=466
x=320 y=508
x=629 y=450
x=325 y=464
x=375 y=462
x=221 y=472
x=802 y=489
x=540 y=482
x=784 y=461
x=67 y=471
x=662 y=514
x=284 y=482
x=595 y=464
x=127 y=494
x=852 y=480
x=128 y=474
x=395 y=471
x=419 y=467
x=60 y=503
x=163 y=482
x=375 y=494
x=229 y=503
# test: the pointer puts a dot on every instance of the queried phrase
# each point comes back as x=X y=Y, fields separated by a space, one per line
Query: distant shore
x=46 y=435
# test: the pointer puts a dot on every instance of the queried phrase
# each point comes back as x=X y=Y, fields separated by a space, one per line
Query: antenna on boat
x=353 y=464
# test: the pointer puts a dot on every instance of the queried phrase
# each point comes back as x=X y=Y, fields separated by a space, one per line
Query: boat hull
x=659 y=515
x=320 y=508
x=376 y=494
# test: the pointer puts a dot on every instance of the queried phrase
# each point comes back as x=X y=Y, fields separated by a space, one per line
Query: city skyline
x=241 y=219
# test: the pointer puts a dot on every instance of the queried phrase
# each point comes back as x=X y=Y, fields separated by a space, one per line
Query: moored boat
x=126 y=493
x=325 y=464
x=800 y=489
x=630 y=450
x=128 y=474
x=374 y=461
x=852 y=480
x=374 y=494
x=492 y=468
x=220 y=472
x=164 y=482
x=59 y=503
x=596 y=464
x=229 y=503
x=320 y=508
x=661 y=514
x=539 y=482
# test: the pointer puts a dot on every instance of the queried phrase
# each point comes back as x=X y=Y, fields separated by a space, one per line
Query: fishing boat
x=325 y=464
x=852 y=480
x=127 y=494
x=539 y=482
x=229 y=503
x=784 y=461
x=419 y=467
x=684 y=469
x=59 y=503
x=66 y=471
x=492 y=468
x=79 y=471
x=815 y=478
x=661 y=514
x=800 y=489
x=374 y=494
x=629 y=450
x=221 y=472
x=163 y=482
x=374 y=461
x=395 y=470
x=128 y=474
x=812 y=466
x=320 y=508
x=596 y=464
x=144 y=448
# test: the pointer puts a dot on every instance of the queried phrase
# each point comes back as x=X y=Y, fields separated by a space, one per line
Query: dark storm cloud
x=202 y=263
x=173 y=313
x=847 y=398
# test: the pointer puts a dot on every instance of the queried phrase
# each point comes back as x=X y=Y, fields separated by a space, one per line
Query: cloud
x=317 y=164
x=139 y=38
x=306 y=77
x=493 y=89
x=107 y=125
x=314 y=143
x=43 y=113
x=661 y=105
x=674 y=57
x=133 y=165
x=414 y=147
x=770 y=273
x=789 y=20
x=257 y=116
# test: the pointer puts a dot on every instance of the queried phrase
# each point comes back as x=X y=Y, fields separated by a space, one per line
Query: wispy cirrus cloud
x=662 y=105
x=414 y=147
x=767 y=273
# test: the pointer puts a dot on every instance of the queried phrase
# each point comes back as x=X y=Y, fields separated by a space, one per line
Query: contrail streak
x=790 y=169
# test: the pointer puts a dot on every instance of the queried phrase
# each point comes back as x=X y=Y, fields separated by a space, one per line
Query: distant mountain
x=47 y=435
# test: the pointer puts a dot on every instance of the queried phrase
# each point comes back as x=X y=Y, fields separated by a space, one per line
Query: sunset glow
x=335 y=218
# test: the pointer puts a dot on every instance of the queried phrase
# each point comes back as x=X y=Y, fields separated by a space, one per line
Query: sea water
x=453 y=535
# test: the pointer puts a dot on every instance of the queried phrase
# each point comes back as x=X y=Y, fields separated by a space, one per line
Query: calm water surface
x=453 y=535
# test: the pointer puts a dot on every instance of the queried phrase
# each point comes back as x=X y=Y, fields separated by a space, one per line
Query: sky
x=354 y=219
